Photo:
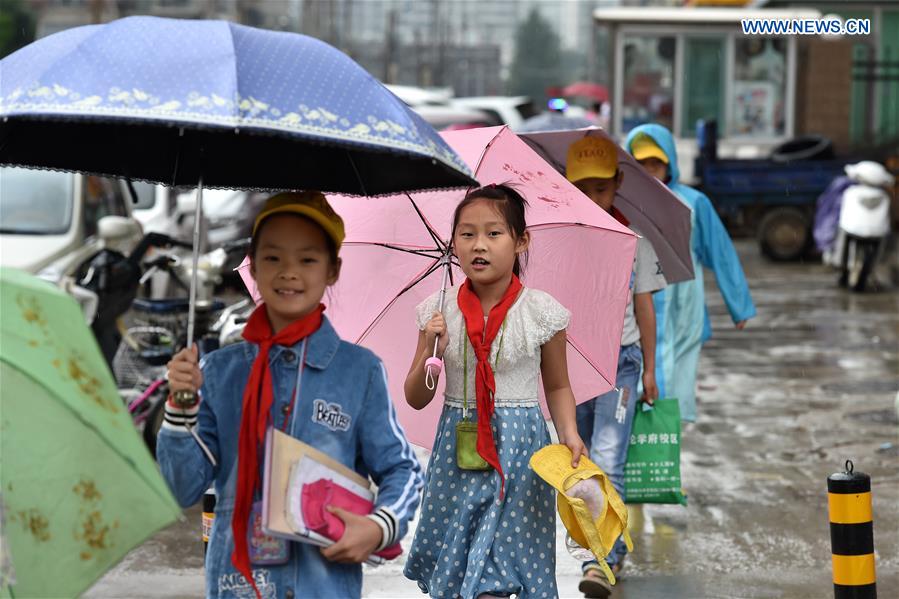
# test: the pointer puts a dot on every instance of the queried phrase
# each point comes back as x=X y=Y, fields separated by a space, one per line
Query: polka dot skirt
x=468 y=542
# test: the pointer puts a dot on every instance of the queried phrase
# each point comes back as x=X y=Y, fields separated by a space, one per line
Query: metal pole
x=434 y=363
x=446 y=267
x=192 y=302
x=188 y=398
x=185 y=398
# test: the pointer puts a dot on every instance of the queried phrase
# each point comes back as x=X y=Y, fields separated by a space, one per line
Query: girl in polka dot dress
x=488 y=526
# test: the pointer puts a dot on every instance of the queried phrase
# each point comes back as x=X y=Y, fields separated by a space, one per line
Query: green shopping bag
x=652 y=471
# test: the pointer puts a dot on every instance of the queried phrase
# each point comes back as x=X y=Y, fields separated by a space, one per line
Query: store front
x=674 y=66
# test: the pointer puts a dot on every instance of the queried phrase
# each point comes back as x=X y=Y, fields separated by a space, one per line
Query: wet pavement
x=810 y=383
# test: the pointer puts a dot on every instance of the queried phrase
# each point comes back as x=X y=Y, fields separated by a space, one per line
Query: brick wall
x=823 y=90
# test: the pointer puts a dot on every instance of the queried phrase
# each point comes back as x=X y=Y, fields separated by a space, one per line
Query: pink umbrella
x=392 y=262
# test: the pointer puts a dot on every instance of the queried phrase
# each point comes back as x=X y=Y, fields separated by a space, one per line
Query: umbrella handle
x=184 y=398
x=436 y=364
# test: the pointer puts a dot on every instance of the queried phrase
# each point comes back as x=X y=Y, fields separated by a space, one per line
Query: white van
x=49 y=221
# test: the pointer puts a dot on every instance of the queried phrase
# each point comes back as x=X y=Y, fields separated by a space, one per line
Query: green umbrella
x=79 y=487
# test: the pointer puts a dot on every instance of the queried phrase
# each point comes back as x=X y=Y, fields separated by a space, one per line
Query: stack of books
x=290 y=466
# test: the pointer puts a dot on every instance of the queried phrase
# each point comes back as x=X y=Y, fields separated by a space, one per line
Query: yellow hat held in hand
x=643 y=147
x=312 y=205
x=591 y=157
x=553 y=465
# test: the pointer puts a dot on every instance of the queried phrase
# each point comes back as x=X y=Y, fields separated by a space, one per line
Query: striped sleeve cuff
x=180 y=418
x=387 y=520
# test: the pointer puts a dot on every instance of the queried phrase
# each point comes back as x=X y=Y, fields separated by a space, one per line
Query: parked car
x=49 y=220
x=53 y=222
x=442 y=117
x=154 y=208
x=227 y=214
x=503 y=110
x=422 y=96
x=439 y=108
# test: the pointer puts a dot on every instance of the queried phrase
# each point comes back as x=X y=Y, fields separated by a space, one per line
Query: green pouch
x=652 y=471
x=467 y=456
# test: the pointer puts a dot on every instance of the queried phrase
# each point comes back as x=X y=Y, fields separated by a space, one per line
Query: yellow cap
x=553 y=465
x=591 y=157
x=311 y=204
x=643 y=147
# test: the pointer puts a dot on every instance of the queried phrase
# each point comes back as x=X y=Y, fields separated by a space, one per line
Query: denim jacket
x=343 y=410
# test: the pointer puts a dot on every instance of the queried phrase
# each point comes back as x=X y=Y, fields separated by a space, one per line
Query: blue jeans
x=605 y=437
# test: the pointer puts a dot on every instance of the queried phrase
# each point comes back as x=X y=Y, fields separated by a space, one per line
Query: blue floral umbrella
x=169 y=101
x=214 y=104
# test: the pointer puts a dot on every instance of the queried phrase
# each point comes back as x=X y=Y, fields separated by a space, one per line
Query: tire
x=784 y=234
x=154 y=419
x=809 y=147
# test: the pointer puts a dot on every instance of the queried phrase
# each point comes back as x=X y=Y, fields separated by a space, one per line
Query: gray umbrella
x=649 y=205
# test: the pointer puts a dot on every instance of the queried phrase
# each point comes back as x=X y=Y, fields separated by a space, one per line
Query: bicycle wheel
x=154 y=419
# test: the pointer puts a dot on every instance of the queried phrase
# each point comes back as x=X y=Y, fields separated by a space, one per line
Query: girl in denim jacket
x=293 y=372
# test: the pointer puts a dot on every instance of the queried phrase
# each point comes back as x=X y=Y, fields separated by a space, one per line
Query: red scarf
x=481 y=340
x=257 y=403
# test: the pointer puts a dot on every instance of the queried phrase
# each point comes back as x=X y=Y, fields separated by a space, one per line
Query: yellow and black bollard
x=851 y=534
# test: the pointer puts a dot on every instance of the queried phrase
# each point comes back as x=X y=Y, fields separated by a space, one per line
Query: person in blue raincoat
x=682 y=320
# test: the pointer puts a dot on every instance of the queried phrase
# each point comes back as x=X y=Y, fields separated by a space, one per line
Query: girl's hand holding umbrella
x=426 y=367
x=435 y=338
x=436 y=328
x=184 y=372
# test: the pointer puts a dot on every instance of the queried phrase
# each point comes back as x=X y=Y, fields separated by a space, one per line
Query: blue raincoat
x=682 y=321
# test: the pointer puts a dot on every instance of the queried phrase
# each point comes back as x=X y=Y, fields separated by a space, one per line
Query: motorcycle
x=114 y=279
x=158 y=330
x=864 y=223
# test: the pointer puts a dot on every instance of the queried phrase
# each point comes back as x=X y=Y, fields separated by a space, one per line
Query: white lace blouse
x=531 y=321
